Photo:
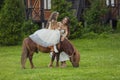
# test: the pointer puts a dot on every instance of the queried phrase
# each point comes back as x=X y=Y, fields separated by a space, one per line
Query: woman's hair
x=68 y=20
x=53 y=16
x=68 y=25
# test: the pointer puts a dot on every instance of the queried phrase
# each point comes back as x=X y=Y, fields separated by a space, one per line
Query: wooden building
x=39 y=10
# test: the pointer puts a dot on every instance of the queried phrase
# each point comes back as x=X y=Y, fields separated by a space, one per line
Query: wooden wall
x=35 y=12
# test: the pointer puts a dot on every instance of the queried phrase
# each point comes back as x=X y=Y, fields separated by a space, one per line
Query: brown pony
x=29 y=47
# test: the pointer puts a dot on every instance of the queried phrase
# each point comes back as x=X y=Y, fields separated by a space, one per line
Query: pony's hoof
x=33 y=67
x=23 y=67
x=50 y=66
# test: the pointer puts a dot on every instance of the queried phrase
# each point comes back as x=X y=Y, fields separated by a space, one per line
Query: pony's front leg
x=23 y=59
x=30 y=59
x=57 y=59
x=52 y=60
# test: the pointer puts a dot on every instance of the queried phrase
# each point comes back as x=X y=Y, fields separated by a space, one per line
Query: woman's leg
x=55 y=49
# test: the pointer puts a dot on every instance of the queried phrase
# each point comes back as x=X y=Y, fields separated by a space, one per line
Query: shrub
x=98 y=28
x=93 y=18
x=118 y=26
x=90 y=35
x=10 y=23
x=28 y=27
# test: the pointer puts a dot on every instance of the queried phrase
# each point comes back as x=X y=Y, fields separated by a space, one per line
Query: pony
x=29 y=47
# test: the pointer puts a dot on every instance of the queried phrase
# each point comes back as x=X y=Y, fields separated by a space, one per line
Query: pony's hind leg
x=57 y=59
x=30 y=59
x=24 y=57
x=23 y=60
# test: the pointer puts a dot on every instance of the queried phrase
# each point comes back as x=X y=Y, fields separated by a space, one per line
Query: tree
x=10 y=22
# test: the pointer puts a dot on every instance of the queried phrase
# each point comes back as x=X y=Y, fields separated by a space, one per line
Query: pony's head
x=75 y=58
x=69 y=49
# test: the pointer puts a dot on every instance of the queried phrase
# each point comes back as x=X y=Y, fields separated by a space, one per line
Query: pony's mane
x=67 y=46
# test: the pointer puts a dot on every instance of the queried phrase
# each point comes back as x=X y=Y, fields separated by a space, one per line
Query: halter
x=72 y=56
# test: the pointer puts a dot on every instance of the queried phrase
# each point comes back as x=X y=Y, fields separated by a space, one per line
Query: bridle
x=72 y=56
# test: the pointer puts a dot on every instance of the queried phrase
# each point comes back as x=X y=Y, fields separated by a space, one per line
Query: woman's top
x=63 y=29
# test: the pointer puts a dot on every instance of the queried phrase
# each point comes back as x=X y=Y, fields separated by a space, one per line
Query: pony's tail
x=24 y=54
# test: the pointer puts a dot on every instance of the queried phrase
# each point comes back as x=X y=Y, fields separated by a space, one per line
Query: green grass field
x=100 y=60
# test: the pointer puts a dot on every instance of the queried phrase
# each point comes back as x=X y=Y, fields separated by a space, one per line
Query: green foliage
x=90 y=35
x=96 y=31
x=64 y=9
x=10 y=23
x=97 y=28
x=28 y=27
x=118 y=26
x=94 y=14
x=93 y=17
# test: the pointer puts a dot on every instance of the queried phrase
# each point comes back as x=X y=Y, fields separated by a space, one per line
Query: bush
x=10 y=23
x=98 y=28
x=93 y=18
x=90 y=35
x=28 y=27
x=77 y=31
x=93 y=15
x=118 y=26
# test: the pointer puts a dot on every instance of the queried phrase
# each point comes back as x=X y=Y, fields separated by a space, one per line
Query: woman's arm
x=66 y=33
x=49 y=27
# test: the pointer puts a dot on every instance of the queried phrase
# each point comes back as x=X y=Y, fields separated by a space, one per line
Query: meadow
x=100 y=60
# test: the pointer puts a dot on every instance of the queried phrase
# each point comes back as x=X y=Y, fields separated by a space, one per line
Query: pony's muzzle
x=75 y=65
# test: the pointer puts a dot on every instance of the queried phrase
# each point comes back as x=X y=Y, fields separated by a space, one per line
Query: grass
x=100 y=60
